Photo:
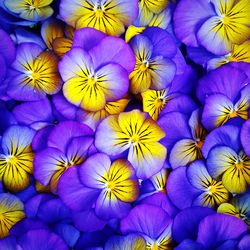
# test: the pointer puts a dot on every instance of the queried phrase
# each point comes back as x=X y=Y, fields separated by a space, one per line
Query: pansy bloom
x=92 y=80
x=216 y=24
x=113 y=185
x=233 y=167
x=135 y=134
x=11 y=211
x=226 y=159
x=185 y=137
x=194 y=186
x=67 y=145
x=239 y=207
x=152 y=223
x=227 y=96
x=107 y=16
x=16 y=157
x=34 y=74
x=35 y=10
x=154 y=69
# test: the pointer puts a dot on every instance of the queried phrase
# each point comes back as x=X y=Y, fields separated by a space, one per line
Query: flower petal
x=74 y=194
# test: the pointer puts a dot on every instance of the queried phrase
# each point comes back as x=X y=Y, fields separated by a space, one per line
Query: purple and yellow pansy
x=124 y=125
x=135 y=134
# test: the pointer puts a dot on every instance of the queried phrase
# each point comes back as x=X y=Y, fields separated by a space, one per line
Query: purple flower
x=109 y=187
x=135 y=136
x=34 y=74
x=193 y=186
x=67 y=145
x=215 y=25
x=150 y=222
x=226 y=94
x=153 y=69
x=96 y=75
x=184 y=136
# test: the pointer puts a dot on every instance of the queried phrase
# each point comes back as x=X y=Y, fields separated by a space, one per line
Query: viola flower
x=131 y=241
x=195 y=187
x=92 y=80
x=226 y=91
x=34 y=75
x=67 y=145
x=159 y=102
x=239 y=207
x=11 y=210
x=108 y=187
x=216 y=25
x=201 y=228
x=185 y=137
x=154 y=69
x=109 y=16
x=150 y=222
x=135 y=134
x=30 y=10
x=231 y=166
x=226 y=160
x=16 y=158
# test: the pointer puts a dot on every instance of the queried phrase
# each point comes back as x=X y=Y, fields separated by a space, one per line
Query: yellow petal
x=61 y=46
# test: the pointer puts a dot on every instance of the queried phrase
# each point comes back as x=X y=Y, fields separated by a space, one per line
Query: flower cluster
x=125 y=124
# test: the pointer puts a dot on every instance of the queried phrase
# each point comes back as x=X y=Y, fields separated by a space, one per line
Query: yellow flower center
x=225 y=19
x=34 y=5
x=239 y=165
x=99 y=11
x=158 y=102
x=35 y=75
x=212 y=189
x=155 y=246
x=135 y=139
x=12 y=160
x=200 y=144
x=233 y=114
x=91 y=81
x=144 y=66
x=111 y=185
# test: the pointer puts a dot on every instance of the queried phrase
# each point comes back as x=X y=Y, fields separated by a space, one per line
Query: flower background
x=124 y=124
